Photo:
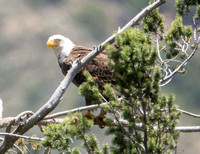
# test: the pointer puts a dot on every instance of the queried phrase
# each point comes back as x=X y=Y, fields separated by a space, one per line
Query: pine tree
x=144 y=119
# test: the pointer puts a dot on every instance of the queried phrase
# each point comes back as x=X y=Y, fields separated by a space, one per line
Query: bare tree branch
x=22 y=136
x=64 y=113
x=189 y=113
x=166 y=78
x=188 y=129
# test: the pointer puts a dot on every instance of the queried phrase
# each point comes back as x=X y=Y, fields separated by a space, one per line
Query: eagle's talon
x=88 y=115
x=99 y=120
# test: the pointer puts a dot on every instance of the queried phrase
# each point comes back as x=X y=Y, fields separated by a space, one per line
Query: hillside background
x=29 y=72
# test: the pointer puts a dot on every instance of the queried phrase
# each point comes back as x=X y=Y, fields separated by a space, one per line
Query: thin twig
x=64 y=113
x=189 y=113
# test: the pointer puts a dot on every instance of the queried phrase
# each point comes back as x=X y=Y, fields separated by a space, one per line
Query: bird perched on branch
x=67 y=52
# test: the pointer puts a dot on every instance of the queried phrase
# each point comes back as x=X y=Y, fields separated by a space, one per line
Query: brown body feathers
x=98 y=67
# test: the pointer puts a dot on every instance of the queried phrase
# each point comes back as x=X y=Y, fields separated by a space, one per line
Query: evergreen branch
x=51 y=104
x=119 y=121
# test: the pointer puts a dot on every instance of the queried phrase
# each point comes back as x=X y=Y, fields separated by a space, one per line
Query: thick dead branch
x=56 y=97
x=22 y=117
x=22 y=136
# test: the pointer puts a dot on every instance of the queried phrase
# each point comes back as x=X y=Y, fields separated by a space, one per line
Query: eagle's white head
x=60 y=45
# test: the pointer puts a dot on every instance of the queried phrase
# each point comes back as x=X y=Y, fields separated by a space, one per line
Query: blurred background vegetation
x=29 y=72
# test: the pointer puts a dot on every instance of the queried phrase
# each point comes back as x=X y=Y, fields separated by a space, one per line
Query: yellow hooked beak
x=51 y=43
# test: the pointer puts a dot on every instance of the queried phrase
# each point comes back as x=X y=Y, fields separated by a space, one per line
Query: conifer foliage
x=151 y=117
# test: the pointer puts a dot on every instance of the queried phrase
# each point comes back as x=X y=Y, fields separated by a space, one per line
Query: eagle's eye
x=57 y=40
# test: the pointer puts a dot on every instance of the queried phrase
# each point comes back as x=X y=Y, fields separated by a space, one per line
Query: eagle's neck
x=67 y=49
x=67 y=45
x=64 y=48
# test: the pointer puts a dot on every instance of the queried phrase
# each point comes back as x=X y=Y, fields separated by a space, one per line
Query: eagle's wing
x=98 y=67
x=78 y=52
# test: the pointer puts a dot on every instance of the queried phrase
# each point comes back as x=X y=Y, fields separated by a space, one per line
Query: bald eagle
x=67 y=52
